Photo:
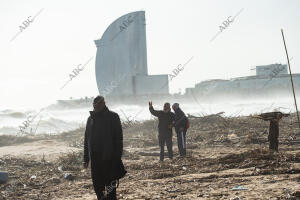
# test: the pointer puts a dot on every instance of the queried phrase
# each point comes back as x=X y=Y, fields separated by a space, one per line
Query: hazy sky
x=37 y=63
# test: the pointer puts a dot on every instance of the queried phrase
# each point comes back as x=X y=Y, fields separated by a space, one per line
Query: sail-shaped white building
x=121 y=60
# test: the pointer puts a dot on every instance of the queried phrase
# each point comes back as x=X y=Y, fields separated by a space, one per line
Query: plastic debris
x=239 y=188
x=3 y=177
x=68 y=176
x=60 y=168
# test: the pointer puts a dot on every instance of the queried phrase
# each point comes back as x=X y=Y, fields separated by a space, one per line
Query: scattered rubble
x=222 y=152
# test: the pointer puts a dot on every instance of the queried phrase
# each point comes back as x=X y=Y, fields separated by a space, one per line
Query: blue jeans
x=181 y=141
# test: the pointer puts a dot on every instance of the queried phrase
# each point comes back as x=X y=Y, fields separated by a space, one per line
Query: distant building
x=121 y=61
x=268 y=79
x=268 y=70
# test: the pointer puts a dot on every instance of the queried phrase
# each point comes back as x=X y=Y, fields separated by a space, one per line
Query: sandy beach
x=223 y=153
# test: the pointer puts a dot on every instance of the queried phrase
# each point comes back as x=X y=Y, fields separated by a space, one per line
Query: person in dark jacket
x=103 y=146
x=180 y=124
x=165 y=120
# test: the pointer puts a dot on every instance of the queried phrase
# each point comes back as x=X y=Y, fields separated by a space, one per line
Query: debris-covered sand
x=223 y=152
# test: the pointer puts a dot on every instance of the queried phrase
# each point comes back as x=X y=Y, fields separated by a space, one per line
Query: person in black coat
x=165 y=121
x=180 y=125
x=103 y=146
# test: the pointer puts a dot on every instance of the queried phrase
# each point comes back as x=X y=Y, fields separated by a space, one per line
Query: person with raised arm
x=165 y=125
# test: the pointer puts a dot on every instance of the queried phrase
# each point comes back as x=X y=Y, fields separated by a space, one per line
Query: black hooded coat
x=104 y=139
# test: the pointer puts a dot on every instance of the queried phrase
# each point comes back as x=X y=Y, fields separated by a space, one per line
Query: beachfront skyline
x=38 y=61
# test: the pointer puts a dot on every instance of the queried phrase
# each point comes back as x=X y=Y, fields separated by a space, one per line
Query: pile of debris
x=27 y=179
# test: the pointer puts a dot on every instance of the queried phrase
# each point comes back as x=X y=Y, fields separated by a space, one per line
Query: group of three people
x=103 y=143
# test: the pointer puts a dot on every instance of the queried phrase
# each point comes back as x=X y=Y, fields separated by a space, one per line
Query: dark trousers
x=181 y=142
x=100 y=175
x=162 y=139
x=273 y=139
